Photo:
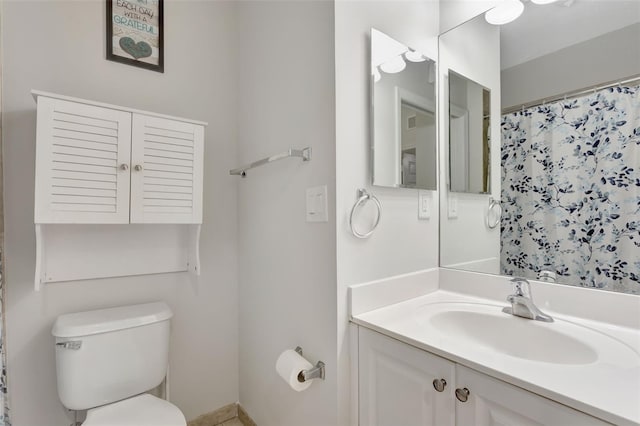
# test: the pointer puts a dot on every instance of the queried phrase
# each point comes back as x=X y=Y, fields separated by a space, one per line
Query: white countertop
x=608 y=388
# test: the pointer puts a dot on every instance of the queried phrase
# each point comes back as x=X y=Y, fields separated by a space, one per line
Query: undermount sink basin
x=486 y=327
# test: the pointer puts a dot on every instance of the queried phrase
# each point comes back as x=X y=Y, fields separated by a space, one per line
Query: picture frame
x=135 y=33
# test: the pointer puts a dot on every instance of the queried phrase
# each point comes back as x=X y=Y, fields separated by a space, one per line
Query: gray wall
x=610 y=57
x=287 y=265
x=58 y=46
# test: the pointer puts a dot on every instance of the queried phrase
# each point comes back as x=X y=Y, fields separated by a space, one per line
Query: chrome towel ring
x=363 y=197
x=493 y=205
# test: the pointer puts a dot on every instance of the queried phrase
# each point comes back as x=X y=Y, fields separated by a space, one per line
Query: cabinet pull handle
x=138 y=168
x=124 y=166
x=439 y=384
x=462 y=394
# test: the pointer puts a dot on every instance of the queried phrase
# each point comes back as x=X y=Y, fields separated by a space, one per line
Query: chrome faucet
x=522 y=302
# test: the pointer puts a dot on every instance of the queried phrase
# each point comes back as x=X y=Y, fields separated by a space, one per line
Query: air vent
x=411 y=122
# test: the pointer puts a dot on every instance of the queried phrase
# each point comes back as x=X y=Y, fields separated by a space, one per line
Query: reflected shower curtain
x=571 y=190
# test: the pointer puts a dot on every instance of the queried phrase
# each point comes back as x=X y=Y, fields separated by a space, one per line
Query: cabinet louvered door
x=82 y=160
x=166 y=171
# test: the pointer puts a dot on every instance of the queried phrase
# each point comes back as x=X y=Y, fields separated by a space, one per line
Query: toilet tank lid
x=111 y=319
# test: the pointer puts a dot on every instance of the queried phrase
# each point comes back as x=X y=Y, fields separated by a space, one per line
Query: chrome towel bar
x=304 y=153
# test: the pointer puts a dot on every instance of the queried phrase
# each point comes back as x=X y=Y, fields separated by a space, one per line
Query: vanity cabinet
x=397 y=386
x=100 y=164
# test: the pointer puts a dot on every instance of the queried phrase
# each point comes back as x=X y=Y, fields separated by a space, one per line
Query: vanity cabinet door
x=491 y=402
x=166 y=170
x=396 y=384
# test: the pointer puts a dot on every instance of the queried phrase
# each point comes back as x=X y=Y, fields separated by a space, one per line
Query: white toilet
x=106 y=359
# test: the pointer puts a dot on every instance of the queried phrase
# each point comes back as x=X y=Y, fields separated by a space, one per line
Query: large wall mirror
x=404 y=137
x=564 y=192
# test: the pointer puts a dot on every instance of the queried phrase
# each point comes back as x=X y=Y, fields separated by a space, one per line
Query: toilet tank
x=107 y=355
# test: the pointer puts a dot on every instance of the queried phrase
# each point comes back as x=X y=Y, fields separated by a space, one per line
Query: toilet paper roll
x=289 y=365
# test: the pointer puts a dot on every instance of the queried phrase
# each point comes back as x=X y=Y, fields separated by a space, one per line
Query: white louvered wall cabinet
x=100 y=164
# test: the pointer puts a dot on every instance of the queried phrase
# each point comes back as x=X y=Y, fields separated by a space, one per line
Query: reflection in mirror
x=469 y=145
x=404 y=115
x=569 y=147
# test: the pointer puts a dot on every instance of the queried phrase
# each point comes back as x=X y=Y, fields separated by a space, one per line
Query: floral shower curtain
x=571 y=190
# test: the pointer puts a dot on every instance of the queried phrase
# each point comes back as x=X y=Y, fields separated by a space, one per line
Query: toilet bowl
x=142 y=410
x=106 y=361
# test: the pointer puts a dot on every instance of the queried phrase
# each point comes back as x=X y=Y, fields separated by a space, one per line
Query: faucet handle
x=521 y=287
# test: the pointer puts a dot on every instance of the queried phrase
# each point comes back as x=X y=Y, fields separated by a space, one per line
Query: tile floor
x=232 y=422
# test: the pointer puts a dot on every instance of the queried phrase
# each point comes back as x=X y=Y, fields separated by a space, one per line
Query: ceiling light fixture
x=543 y=1
x=507 y=11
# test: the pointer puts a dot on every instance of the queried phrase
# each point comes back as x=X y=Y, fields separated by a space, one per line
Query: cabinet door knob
x=439 y=384
x=138 y=167
x=462 y=394
x=124 y=166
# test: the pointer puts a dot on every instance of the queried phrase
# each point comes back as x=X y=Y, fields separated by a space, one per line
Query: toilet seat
x=142 y=410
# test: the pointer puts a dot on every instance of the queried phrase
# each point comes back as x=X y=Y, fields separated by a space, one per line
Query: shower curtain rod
x=570 y=95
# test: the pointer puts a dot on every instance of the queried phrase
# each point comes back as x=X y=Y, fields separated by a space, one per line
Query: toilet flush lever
x=71 y=344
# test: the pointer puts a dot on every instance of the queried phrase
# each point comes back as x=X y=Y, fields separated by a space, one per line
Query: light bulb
x=414 y=56
x=507 y=11
x=543 y=1
x=393 y=66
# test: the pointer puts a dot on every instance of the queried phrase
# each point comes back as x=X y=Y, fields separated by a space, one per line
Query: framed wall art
x=135 y=33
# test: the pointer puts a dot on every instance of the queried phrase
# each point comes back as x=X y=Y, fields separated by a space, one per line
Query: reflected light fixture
x=505 y=12
x=414 y=56
x=543 y=1
x=396 y=64
x=376 y=75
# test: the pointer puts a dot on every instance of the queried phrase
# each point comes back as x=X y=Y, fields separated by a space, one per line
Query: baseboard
x=216 y=417
x=222 y=415
x=244 y=417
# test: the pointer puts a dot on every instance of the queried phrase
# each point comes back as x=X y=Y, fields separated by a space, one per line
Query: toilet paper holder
x=316 y=372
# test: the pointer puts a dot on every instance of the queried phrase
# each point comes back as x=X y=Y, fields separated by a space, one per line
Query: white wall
x=287 y=266
x=402 y=243
x=59 y=47
x=612 y=56
x=473 y=50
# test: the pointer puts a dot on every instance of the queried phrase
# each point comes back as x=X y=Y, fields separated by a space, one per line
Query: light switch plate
x=424 y=205
x=317 y=204
x=452 y=206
